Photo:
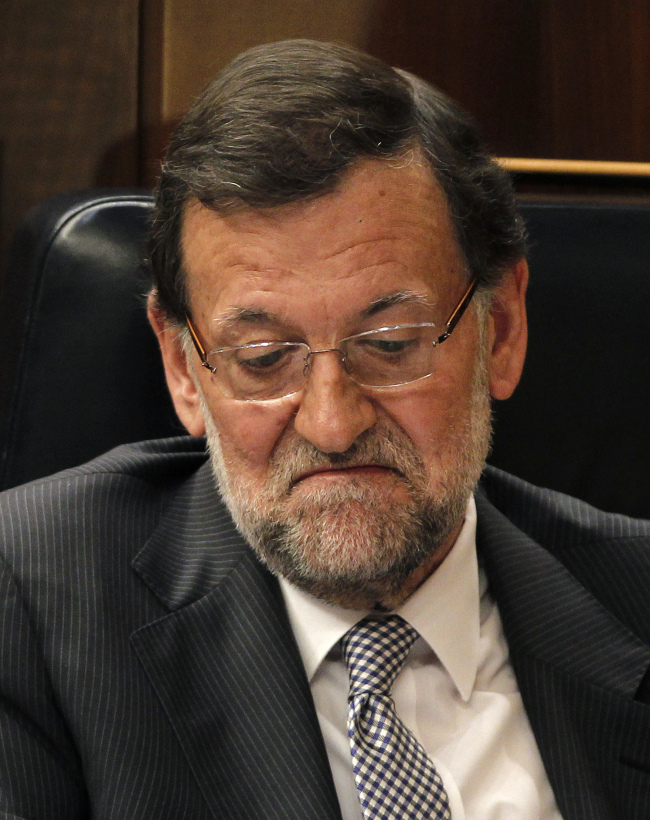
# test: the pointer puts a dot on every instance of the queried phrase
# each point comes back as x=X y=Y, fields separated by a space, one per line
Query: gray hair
x=285 y=122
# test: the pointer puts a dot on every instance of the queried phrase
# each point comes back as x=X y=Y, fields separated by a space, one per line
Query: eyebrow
x=236 y=315
x=241 y=315
x=399 y=297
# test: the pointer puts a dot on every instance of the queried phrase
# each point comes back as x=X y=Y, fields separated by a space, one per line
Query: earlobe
x=180 y=379
x=508 y=331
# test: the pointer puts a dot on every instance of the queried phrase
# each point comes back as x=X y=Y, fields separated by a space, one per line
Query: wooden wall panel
x=595 y=65
x=201 y=36
x=485 y=54
x=89 y=90
x=68 y=99
x=545 y=78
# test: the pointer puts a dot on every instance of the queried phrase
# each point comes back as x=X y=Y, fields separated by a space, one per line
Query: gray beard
x=353 y=541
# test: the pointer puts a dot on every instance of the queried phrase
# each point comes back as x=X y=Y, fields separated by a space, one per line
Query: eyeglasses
x=381 y=359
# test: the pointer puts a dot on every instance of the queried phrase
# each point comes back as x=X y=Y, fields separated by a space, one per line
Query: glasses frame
x=450 y=325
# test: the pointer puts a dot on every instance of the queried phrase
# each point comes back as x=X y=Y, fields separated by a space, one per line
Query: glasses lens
x=262 y=371
x=391 y=356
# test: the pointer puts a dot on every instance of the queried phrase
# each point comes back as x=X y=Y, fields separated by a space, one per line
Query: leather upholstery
x=579 y=421
x=83 y=370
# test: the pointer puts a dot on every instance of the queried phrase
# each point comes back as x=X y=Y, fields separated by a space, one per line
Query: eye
x=262 y=361
x=266 y=356
x=389 y=346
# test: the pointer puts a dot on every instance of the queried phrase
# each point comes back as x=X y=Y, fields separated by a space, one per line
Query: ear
x=508 y=331
x=180 y=379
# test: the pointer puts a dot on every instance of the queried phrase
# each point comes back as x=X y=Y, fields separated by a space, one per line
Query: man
x=339 y=291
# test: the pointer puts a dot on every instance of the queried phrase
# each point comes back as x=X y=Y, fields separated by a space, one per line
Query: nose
x=333 y=410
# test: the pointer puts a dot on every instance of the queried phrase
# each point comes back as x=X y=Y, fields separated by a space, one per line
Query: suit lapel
x=225 y=666
x=578 y=670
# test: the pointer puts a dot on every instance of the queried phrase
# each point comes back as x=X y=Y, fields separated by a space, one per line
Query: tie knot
x=375 y=650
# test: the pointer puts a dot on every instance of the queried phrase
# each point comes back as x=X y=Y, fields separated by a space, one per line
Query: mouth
x=350 y=471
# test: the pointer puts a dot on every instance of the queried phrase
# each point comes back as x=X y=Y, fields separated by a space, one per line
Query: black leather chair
x=579 y=421
x=82 y=372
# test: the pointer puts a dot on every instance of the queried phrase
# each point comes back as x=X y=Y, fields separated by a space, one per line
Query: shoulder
x=156 y=461
x=607 y=553
x=124 y=488
x=554 y=519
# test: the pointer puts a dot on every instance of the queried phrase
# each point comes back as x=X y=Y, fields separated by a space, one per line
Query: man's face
x=346 y=491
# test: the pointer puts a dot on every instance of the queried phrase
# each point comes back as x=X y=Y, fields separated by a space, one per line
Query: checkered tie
x=395 y=777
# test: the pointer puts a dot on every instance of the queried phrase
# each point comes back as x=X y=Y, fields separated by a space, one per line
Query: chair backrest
x=579 y=421
x=83 y=371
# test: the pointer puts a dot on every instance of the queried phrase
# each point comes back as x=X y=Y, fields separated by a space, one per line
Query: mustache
x=381 y=446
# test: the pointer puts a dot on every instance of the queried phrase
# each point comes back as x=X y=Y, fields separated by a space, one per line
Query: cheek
x=250 y=432
x=423 y=417
x=432 y=414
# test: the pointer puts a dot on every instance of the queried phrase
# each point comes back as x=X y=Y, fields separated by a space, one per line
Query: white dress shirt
x=457 y=692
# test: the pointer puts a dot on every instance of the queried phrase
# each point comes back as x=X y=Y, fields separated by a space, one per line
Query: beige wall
x=201 y=36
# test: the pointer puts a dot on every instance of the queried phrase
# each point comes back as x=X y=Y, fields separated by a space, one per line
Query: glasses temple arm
x=457 y=313
x=195 y=339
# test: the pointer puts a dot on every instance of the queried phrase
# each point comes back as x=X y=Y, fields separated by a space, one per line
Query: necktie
x=395 y=777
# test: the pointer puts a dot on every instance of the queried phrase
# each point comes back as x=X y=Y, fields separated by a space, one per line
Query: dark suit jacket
x=149 y=672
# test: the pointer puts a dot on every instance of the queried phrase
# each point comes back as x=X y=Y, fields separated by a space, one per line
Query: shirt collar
x=444 y=610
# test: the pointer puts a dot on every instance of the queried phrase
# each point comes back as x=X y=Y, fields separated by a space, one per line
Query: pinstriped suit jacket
x=148 y=670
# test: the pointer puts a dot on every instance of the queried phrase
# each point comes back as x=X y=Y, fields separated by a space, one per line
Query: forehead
x=385 y=229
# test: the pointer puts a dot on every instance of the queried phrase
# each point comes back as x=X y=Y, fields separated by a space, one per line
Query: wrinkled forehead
x=385 y=230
